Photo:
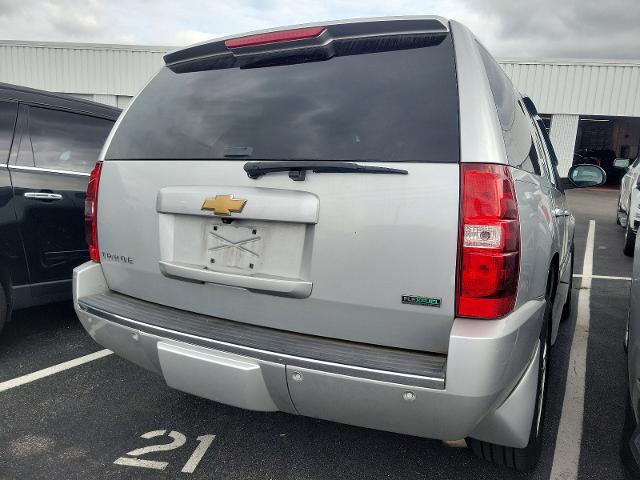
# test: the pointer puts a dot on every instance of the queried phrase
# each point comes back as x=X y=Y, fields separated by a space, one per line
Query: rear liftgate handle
x=284 y=286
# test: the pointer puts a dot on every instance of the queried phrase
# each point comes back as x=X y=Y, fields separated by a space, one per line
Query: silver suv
x=353 y=221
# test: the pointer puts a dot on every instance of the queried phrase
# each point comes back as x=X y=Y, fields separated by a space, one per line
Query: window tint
x=531 y=163
x=66 y=141
x=550 y=154
x=7 y=121
x=387 y=105
x=541 y=157
x=514 y=121
x=547 y=141
x=501 y=89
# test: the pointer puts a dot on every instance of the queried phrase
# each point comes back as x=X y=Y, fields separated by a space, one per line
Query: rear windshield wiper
x=297 y=169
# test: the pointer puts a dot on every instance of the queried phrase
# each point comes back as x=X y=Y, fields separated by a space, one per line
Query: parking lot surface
x=81 y=422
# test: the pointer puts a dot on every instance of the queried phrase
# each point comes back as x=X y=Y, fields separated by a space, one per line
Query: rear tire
x=629 y=240
x=525 y=459
x=566 y=309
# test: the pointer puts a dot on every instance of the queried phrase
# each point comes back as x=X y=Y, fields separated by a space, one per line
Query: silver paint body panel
x=398 y=236
x=227 y=378
x=473 y=389
x=354 y=255
x=542 y=235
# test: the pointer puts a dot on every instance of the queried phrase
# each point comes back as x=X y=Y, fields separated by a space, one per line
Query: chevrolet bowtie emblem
x=223 y=204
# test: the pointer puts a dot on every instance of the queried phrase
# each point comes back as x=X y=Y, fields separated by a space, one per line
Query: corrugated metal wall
x=114 y=73
x=563 y=136
x=108 y=73
x=580 y=88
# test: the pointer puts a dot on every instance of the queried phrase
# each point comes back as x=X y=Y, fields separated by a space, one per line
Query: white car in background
x=628 y=215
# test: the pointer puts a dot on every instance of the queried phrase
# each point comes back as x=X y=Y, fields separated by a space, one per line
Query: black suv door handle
x=44 y=196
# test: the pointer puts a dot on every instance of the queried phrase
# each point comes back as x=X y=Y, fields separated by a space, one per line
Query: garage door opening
x=600 y=140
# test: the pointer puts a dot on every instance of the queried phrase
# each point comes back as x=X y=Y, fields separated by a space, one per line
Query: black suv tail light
x=91 y=213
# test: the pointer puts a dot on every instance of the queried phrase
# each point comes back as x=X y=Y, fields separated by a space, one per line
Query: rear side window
x=65 y=140
x=514 y=122
x=547 y=141
x=550 y=154
x=531 y=162
x=7 y=122
x=389 y=106
x=501 y=89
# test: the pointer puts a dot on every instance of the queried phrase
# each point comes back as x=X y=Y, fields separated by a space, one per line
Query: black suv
x=49 y=144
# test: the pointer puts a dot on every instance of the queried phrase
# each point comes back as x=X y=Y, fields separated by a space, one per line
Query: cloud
x=572 y=28
x=75 y=22
x=187 y=37
x=547 y=28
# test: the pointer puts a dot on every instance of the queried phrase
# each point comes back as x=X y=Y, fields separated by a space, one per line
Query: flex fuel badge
x=424 y=301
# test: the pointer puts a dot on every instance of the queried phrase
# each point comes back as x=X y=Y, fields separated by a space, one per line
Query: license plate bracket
x=232 y=246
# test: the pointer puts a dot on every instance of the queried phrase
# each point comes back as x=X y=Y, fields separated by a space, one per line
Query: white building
x=591 y=105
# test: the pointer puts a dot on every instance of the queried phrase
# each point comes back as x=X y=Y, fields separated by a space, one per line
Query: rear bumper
x=482 y=388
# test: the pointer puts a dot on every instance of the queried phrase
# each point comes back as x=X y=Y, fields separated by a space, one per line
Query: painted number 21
x=179 y=440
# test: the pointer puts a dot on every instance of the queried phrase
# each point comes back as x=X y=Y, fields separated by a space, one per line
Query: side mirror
x=621 y=163
x=584 y=175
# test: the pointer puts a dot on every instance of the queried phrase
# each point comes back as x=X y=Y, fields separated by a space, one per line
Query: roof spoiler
x=305 y=37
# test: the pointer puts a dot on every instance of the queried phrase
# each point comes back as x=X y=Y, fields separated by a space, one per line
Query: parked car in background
x=351 y=220
x=581 y=159
x=601 y=157
x=628 y=211
x=48 y=146
x=630 y=447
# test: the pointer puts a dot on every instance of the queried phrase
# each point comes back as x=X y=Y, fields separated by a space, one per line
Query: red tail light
x=489 y=244
x=91 y=213
x=274 y=37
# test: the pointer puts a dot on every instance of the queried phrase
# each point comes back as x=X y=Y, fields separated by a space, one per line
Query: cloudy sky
x=509 y=28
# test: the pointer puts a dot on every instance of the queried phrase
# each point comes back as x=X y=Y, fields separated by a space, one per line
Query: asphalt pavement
x=79 y=422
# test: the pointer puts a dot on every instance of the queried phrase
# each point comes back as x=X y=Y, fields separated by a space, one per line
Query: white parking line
x=602 y=277
x=138 y=462
x=45 y=372
x=567 y=454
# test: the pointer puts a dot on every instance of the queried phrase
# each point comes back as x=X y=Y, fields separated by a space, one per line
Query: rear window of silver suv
x=367 y=104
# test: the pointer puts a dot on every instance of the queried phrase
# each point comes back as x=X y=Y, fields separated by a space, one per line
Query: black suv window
x=389 y=105
x=7 y=122
x=65 y=140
